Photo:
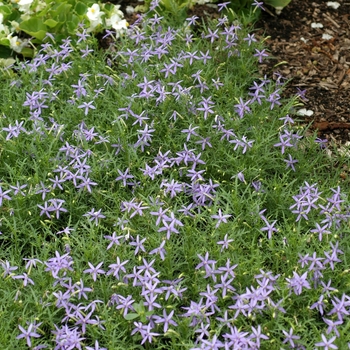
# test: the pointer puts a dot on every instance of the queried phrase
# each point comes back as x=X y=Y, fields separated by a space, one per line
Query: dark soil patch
x=314 y=64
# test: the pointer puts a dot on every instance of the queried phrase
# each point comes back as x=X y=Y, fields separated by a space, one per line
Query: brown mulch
x=319 y=67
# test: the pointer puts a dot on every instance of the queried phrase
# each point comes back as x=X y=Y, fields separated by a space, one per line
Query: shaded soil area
x=309 y=44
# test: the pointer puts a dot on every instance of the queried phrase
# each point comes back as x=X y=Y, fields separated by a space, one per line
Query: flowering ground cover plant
x=160 y=196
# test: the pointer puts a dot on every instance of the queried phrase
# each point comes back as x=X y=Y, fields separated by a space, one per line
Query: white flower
x=201 y=2
x=116 y=11
x=129 y=10
x=24 y=5
x=40 y=6
x=116 y=20
x=25 y=16
x=120 y=25
x=93 y=25
x=117 y=23
x=113 y=20
x=94 y=14
x=4 y=31
x=15 y=26
x=25 y=2
x=1 y=18
x=16 y=44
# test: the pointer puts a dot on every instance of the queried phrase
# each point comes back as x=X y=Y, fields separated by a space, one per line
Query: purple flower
x=192 y=20
x=290 y=162
x=160 y=215
x=269 y=228
x=327 y=344
x=322 y=143
x=190 y=131
x=94 y=215
x=274 y=99
x=28 y=333
x=257 y=335
x=327 y=287
x=82 y=36
x=116 y=268
x=60 y=262
x=331 y=258
x=321 y=231
x=225 y=243
x=124 y=176
x=8 y=268
x=298 y=282
x=258 y=4
x=3 y=195
x=240 y=176
x=138 y=244
x=114 y=240
x=260 y=54
x=18 y=189
x=166 y=320
x=242 y=107
x=223 y=5
x=159 y=250
x=212 y=35
x=66 y=231
x=340 y=306
x=147 y=335
x=86 y=183
x=289 y=337
x=332 y=326
x=124 y=303
x=169 y=227
x=56 y=206
x=284 y=142
x=225 y=285
x=287 y=119
x=250 y=39
x=221 y=218
x=31 y=262
x=96 y=347
x=87 y=106
x=204 y=261
x=319 y=305
x=25 y=278
x=70 y=337
x=94 y=271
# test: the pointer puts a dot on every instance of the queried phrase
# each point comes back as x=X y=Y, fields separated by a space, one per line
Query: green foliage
x=140 y=313
x=277 y=3
x=242 y=5
x=60 y=18
x=176 y=8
